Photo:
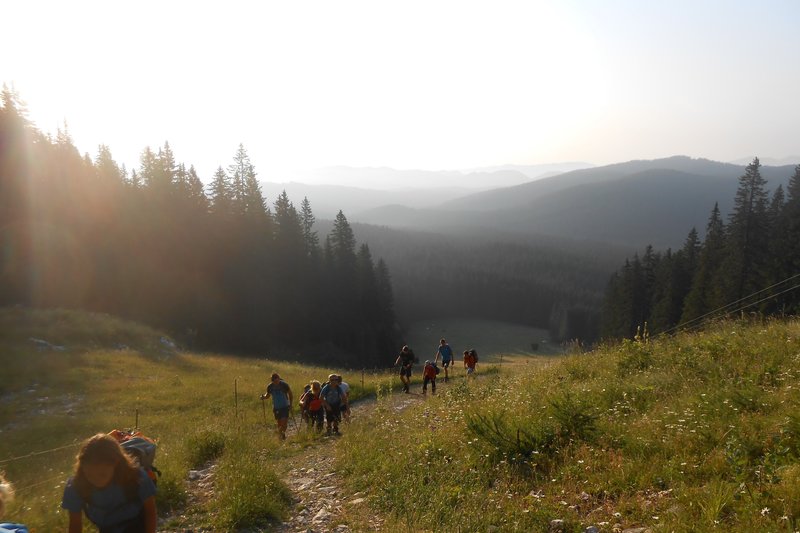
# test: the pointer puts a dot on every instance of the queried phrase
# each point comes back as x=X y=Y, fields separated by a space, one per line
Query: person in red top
x=470 y=361
x=429 y=376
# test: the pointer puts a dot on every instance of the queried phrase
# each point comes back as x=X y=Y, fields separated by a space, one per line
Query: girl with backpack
x=116 y=495
x=6 y=495
x=429 y=376
x=312 y=404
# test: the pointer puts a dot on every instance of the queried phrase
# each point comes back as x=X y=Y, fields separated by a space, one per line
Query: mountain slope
x=628 y=204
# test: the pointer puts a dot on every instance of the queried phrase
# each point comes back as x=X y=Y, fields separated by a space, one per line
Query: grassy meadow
x=698 y=432
x=491 y=338
x=198 y=406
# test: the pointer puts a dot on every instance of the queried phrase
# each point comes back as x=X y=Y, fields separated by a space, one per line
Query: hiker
x=304 y=402
x=332 y=399
x=446 y=353
x=281 y=402
x=470 y=360
x=6 y=495
x=406 y=361
x=316 y=411
x=116 y=495
x=429 y=376
x=346 y=404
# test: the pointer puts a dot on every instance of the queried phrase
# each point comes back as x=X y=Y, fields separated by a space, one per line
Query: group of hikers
x=319 y=403
x=115 y=491
x=328 y=403
x=444 y=352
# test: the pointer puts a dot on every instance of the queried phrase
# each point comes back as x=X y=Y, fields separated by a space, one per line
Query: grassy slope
x=700 y=432
x=52 y=399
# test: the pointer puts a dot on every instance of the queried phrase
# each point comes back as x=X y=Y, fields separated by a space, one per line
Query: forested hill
x=221 y=270
x=547 y=283
x=627 y=204
x=748 y=260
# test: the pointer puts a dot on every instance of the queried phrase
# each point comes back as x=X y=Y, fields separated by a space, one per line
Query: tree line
x=757 y=248
x=220 y=268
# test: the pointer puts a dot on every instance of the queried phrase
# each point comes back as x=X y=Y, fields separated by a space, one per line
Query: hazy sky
x=406 y=84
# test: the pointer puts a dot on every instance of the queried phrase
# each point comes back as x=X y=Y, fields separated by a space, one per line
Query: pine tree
x=107 y=169
x=343 y=243
x=747 y=237
x=705 y=294
x=310 y=237
x=220 y=195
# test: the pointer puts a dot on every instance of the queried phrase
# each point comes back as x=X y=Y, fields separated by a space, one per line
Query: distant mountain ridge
x=626 y=204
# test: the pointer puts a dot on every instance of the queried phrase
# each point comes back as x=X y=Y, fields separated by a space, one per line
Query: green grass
x=693 y=433
x=490 y=338
x=199 y=407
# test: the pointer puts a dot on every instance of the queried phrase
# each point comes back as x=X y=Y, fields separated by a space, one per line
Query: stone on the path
x=357 y=501
x=557 y=525
x=591 y=529
x=636 y=530
x=321 y=516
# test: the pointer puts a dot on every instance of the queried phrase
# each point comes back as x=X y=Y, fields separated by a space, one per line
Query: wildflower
x=765 y=511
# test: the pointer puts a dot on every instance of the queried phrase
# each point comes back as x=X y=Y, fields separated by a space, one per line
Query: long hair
x=6 y=494
x=104 y=449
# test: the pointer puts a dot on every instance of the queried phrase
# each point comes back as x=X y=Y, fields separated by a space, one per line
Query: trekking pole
x=294 y=421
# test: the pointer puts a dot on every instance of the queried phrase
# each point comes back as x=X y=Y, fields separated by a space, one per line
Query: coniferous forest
x=220 y=267
x=748 y=262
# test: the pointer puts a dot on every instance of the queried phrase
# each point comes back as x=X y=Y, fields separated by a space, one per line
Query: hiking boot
x=445 y=379
x=335 y=431
x=328 y=432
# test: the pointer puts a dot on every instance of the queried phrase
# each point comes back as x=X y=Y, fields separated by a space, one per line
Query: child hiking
x=406 y=360
x=312 y=404
x=429 y=376
x=281 y=402
x=6 y=495
x=332 y=399
x=446 y=353
x=470 y=361
x=116 y=495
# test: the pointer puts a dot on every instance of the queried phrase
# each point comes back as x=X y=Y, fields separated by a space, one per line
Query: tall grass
x=200 y=408
x=693 y=433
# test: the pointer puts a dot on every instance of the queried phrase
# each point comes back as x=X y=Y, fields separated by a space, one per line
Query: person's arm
x=76 y=522
x=266 y=395
x=397 y=361
x=150 y=515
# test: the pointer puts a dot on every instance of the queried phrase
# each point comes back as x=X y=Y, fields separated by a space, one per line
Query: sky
x=429 y=85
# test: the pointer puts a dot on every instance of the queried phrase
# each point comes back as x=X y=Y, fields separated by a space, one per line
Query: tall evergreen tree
x=748 y=231
x=220 y=195
x=310 y=237
x=705 y=293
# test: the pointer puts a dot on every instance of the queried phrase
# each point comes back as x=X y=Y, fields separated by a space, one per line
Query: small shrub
x=576 y=421
x=171 y=494
x=204 y=447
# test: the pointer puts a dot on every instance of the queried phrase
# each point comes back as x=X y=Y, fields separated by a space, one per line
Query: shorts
x=446 y=363
x=470 y=369
x=405 y=371
x=281 y=413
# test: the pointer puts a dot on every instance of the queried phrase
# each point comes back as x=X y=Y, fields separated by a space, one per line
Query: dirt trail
x=320 y=498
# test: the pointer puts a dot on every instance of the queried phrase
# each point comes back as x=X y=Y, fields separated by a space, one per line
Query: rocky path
x=321 y=500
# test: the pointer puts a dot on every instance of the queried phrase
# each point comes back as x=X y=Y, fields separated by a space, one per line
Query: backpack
x=474 y=354
x=437 y=369
x=142 y=449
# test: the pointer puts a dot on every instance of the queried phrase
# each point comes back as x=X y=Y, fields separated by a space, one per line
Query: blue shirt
x=12 y=528
x=280 y=398
x=446 y=352
x=110 y=505
x=332 y=395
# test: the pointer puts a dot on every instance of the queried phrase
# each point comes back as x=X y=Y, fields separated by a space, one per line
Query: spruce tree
x=744 y=267
x=705 y=293
x=310 y=237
